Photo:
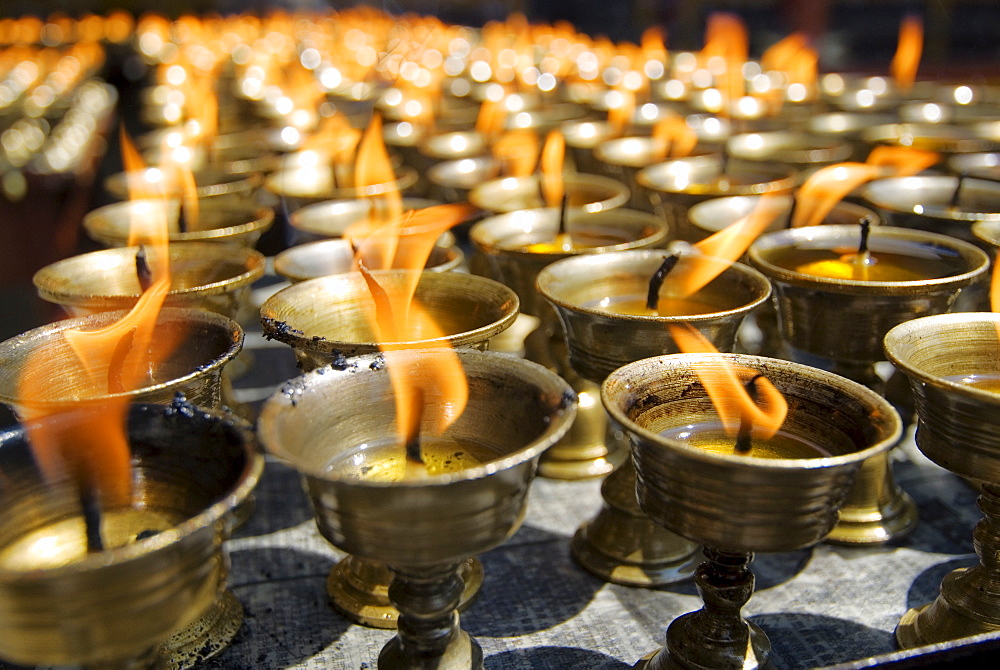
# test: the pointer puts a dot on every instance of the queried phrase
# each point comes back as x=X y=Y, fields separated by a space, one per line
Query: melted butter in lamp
x=577 y=240
x=711 y=437
x=879 y=267
x=388 y=462
x=667 y=306
x=65 y=542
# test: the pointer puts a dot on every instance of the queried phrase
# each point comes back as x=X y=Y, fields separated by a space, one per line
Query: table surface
x=537 y=609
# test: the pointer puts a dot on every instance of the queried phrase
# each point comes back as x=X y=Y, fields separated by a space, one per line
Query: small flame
x=673 y=137
x=172 y=178
x=553 y=154
x=902 y=161
x=727 y=39
x=653 y=42
x=334 y=140
x=725 y=384
x=908 y=50
x=517 y=152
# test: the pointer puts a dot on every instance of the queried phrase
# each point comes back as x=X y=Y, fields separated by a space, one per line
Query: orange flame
x=92 y=446
x=828 y=186
x=673 y=138
x=995 y=286
x=416 y=380
x=725 y=385
x=553 y=154
x=335 y=140
x=172 y=178
x=490 y=119
x=908 y=50
x=372 y=172
x=653 y=42
x=517 y=152
x=726 y=38
x=718 y=251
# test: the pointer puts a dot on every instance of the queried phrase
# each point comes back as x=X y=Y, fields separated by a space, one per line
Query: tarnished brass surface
x=500 y=244
x=673 y=187
x=923 y=202
x=328 y=318
x=940 y=137
x=736 y=504
x=123 y=602
x=728 y=501
x=302 y=185
x=208 y=341
x=621 y=544
x=846 y=319
x=423 y=529
x=360 y=590
x=452 y=180
x=957 y=429
x=332 y=257
x=601 y=340
x=585 y=192
x=797 y=149
x=239 y=223
x=208 y=276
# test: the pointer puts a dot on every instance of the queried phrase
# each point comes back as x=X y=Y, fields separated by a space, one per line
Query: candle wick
x=724 y=160
x=866 y=228
x=91 y=519
x=182 y=224
x=957 y=193
x=142 y=271
x=117 y=362
x=744 y=443
x=413 y=454
x=656 y=281
x=670 y=148
x=562 y=214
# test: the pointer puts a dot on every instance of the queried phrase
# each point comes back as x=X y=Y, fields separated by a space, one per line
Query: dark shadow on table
x=280 y=502
x=946 y=505
x=286 y=621
x=811 y=640
x=926 y=586
x=529 y=585
x=274 y=564
x=552 y=658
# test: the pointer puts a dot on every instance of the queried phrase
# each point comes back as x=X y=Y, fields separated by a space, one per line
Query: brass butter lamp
x=952 y=362
x=738 y=504
x=835 y=319
x=334 y=425
x=122 y=607
x=621 y=544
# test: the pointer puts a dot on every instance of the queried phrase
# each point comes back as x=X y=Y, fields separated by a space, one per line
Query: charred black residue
x=339 y=361
x=180 y=405
x=278 y=330
x=377 y=364
x=568 y=399
x=292 y=389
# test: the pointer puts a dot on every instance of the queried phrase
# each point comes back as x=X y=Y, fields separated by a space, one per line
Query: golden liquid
x=989 y=381
x=713 y=439
x=567 y=242
x=65 y=541
x=636 y=306
x=880 y=266
x=388 y=462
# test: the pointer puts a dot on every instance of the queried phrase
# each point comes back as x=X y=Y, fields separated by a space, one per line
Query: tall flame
x=908 y=50
x=725 y=385
x=727 y=39
x=418 y=381
x=92 y=446
x=620 y=113
x=553 y=155
x=372 y=172
x=491 y=118
x=718 y=251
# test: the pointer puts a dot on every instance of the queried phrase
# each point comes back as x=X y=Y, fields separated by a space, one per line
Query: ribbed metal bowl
x=738 y=503
x=516 y=409
x=121 y=603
